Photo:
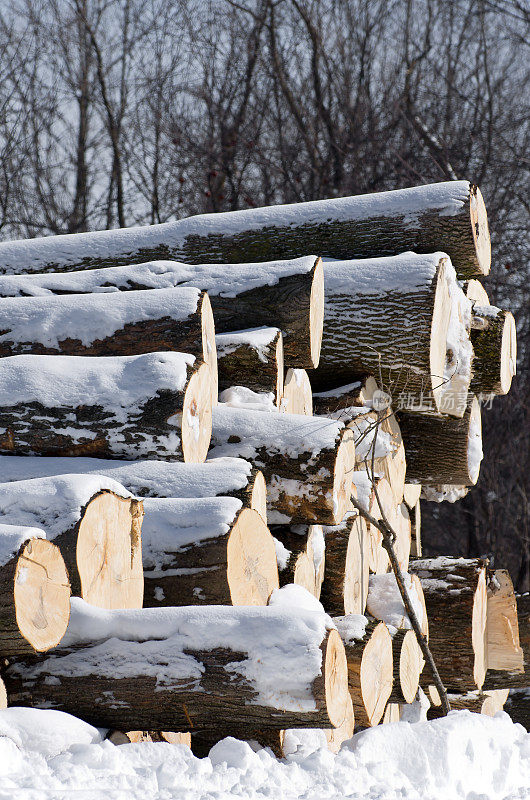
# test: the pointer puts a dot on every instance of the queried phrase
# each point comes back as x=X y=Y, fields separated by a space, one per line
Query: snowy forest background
x=119 y=112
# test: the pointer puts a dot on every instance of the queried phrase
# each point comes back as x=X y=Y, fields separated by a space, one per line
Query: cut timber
x=34 y=593
x=377 y=498
x=402 y=319
x=286 y=294
x=401 y=525
x=307 y=462
x=408 y=665
x=252 y=358
x=443 y=493
x=352 y=395
x=301 y=555
x=494 y=338
x=503 y=651
x=112 y=324
x=411 y=494
x=441 y=449
x=188 y=668
x=449 y=216
x=336 y=736
x=456 y=599
x=345 y=586
x=154 y=405
x=95 y=523
x=477 y=293
x=487 y=703
x=134 y=737
x=415 y=530
x=370 y=669
x=206 y=551
x=297 y=396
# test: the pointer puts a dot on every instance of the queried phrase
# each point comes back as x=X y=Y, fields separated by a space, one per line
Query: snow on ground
x=47 y=755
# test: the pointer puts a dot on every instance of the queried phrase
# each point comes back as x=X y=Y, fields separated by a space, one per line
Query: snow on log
x=456 y=601
x=300 y=553
x=368 y=648
x=442 y=449
x=494 y=339
x=95 y=523
x=345 y=585
x=297 y=395
x=34 y=592
x=154 y=405
x=307 y=462
x=408 y=665
x=191 y=668
x=286 y=294
x=404 y=319
x=448 y=216
x=252 y=358
x=206 y=551
x=331 y=402
x=488 y=703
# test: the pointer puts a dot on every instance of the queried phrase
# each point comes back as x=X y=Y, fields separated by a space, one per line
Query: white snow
x=384 y=600
x=457 y=370
x=292 y=596
x=443 y=493
x=12 y=537
x=259 y=339
x=351 y=627
x=474 y=448
x=363 y=484
x=403 y=273
x=282 y=554
x=242 y=397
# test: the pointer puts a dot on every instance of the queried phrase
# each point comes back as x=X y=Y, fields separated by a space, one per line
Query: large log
x=112 y=324
x=300 y=552
x=297 y=395
x=408 y=665
x=494 y=338
x=448 y=216
x=345 y=586
x=95 y=523
x=307 y=462
x=181 y=669
x=442 y=449
x=456 y=597
x=252 y=358
x=154 y=405
x=34 y=592
x=206 y=551
x=403 y=319
x=286 y=294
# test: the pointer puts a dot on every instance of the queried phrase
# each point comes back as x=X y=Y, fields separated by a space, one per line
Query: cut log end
x=197 y=416
x=297 y=395
x=479 y=226
x=376 y=674
x=479 y=617
x=474 y=441
x=440 y=325
x=336 y=736
x=508 y=354
x=342 y=478
x=410 y=666
x=209 y=348
x=357 y=573
x=252 y=572
x=336 y=679
x=477 y=293
x=281 y=368
x=3 y=694
x=411 y=494
x=258 y=497
x=316 y=312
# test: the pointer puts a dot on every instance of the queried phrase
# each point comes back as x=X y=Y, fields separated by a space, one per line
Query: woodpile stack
x=180 y=443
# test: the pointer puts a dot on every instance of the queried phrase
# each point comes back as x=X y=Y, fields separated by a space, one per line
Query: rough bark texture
x=494 y=339
x=370 y=673
x=243 y=363
x=333 y=401
x=306 y=559
x=345 y=586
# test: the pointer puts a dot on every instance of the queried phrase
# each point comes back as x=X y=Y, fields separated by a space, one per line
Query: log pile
x=180 y=443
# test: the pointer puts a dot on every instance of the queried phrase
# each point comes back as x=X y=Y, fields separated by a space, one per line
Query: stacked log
x=254 y=356
x=300 y=551
x=345 y=585
x=297 y=395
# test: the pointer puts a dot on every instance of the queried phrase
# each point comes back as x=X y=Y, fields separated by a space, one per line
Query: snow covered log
x=300 y=552
x=286 y=294
x=408 y=665
x=95 y=523
x=403 y=319
x=345 y=586
x=448 y=216
x=368 y=648
x=206 y=551
x=34 y=592
x=456 y=600
x=154 y=405
x=191 y=668
x=488 y=703
x=307 y=461
x=297 y=395
x=252 y=358
x=441 y=449
x=494 y=339
x=352 y=395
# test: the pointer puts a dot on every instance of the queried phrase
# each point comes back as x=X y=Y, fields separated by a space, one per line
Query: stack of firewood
x=179 y=446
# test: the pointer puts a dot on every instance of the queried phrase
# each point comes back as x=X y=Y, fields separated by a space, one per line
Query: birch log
x=300 y=554
x=449 y=216
x=154 y=405
x=297 y=395
x=494 y=339
x=34 y=592
x=95 y=523
x=345 y=586
x=252 y=358
x=206 y=551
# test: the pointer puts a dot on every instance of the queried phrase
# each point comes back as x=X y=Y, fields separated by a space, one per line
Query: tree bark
x=334 y=402
x=305 y=559
x=494 y=339
x=345 y=585
x=415 y=530
x=252 y=358
x=297 y=397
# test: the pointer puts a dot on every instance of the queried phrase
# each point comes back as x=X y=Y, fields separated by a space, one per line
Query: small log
x=488 y=703
x=502 y=627
x=455 y=597
x=370 y=670
x=34 y=593
x=95 y=523
x=334 y=401
x=307 y=462
x=345 y=586
x=441 y=449
x=476 y=292
x=411 y=494
x=297 y=395
x=190 y=668
x=415 y=530
x=449 y=216
x=206 y=551
x=494 y=338
x=154 y=405
x=251 y=358
x=301 y=556
x=408 y=665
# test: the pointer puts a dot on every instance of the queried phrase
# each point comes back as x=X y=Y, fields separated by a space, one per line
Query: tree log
x=441 y=449
x=154 y=405
x=415 y=530
x=411 y=494
x=297 y=395
x=181 y=669
x=252 y=358
x=352 y=395
x=95 y=523
x=377 y=498
x=403 y=319
x=34 y=593
x=503 y=651
x=345 y=586
x=494 y=338
x=301 y=556
x=134 y=737
x=449 y=216
x=487 y=703
x=455 y=597
x=408 y=665
x=307 y=462
x=477 y=293
x=206 y=551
